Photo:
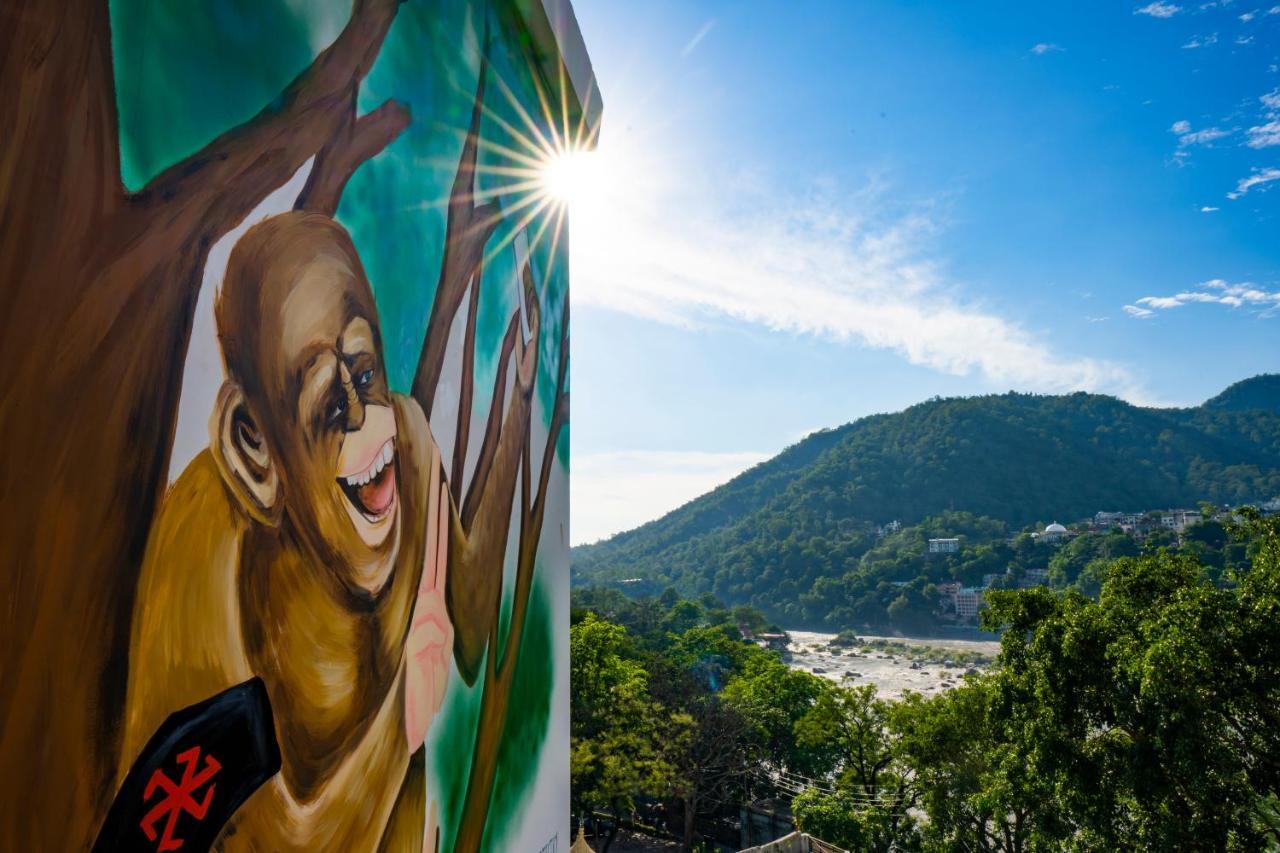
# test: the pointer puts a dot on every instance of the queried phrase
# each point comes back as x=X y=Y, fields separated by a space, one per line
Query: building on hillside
x=991 y=577
x=944 y=546
x=1136 y=524
x=968 y=601
x=1053 y=533
x=1179 y=520
x=1033 y=578
x=1270 y=507
x=1106 y=520
x=888 y=529
x=947 y=599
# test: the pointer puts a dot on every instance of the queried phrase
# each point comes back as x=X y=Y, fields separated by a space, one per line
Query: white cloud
x=1201 y=41
x=1244 y=40
x=1208 y=209
x=1202 y=137
x=1259 y=178
x=1213 y=292
x=1265 y=135
x=1268 y=133
x=1187 y=137
x=1158 y=9
x=831 y=265
x=1045 y=47
x=1248 y=16
x=617 y=491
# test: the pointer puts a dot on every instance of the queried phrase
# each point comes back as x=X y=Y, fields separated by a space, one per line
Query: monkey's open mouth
x=373 y=490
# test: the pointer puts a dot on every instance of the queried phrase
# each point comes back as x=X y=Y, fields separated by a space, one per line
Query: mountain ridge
x=1061 y=457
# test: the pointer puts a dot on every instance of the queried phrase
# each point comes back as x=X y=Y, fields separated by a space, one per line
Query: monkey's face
x=337 y=447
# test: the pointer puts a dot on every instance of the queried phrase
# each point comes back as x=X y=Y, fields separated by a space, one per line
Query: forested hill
x=1022 y=459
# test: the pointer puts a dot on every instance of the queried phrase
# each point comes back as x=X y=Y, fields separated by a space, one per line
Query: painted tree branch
x=468 y=228
x=356 y=141
x=493 y=427
x=500 y=669
x=60 y=162
x=466 y=394
x=243 y=165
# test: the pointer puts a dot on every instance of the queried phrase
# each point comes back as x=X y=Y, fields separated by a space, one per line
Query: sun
x=571 y=177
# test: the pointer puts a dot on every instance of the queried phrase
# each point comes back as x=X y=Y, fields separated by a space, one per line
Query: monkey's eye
x=364 y=378
x=338 y=408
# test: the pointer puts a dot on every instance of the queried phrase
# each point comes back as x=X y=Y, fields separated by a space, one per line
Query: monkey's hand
x=430 y=644
x=527 y=351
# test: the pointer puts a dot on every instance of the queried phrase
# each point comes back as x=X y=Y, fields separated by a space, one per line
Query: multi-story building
x=944 y=546
x=1179 y=520
x=968 y=601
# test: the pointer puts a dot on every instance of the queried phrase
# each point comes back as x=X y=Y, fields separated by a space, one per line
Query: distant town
x=960 y=604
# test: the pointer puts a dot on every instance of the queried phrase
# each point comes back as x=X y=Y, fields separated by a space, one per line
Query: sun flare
x=570 y=176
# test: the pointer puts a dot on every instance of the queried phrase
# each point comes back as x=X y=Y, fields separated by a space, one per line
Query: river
x=899 y=665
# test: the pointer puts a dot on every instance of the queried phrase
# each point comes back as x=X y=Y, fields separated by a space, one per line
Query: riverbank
x=894 y=665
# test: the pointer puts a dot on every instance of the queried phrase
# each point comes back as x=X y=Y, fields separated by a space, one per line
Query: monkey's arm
x=186 y=644
x=479 y=528
x=351 y=808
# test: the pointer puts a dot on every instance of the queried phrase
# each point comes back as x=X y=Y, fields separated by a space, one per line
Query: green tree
x=851 y=726
x=772 y=698
x=619 y=737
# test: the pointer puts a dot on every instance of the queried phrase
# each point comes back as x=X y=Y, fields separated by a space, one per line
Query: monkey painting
x=310 y=545
x=318 y=571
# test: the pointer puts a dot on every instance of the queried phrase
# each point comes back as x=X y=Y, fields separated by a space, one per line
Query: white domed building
x=1054 y=533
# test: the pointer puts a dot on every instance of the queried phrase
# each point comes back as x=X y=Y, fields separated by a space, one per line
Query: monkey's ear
x=242 y=456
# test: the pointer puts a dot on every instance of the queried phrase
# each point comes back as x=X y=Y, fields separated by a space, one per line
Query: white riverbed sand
x=891 y=673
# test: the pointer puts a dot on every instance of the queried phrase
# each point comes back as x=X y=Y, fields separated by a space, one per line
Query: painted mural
x=283 y=427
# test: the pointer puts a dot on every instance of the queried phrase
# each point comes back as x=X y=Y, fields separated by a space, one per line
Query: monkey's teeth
x=382 y=461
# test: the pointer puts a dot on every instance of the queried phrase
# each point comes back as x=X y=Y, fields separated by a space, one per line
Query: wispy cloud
x=1258 y=178
x=1158 y=9
x=1201 y=41
x=1186 y=136
x=1046 y=47
x=834 y=265
x=698 y=37
x=1213 y=292
x=1268 y=133
x=617 y=491
x=1248 y=16
x=1209 y=209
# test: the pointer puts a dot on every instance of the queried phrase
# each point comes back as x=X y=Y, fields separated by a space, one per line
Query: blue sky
x=803 y=213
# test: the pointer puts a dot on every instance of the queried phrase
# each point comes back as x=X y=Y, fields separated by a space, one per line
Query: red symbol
x=178 y=796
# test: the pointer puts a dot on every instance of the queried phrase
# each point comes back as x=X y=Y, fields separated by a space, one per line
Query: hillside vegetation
x=797 y=535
